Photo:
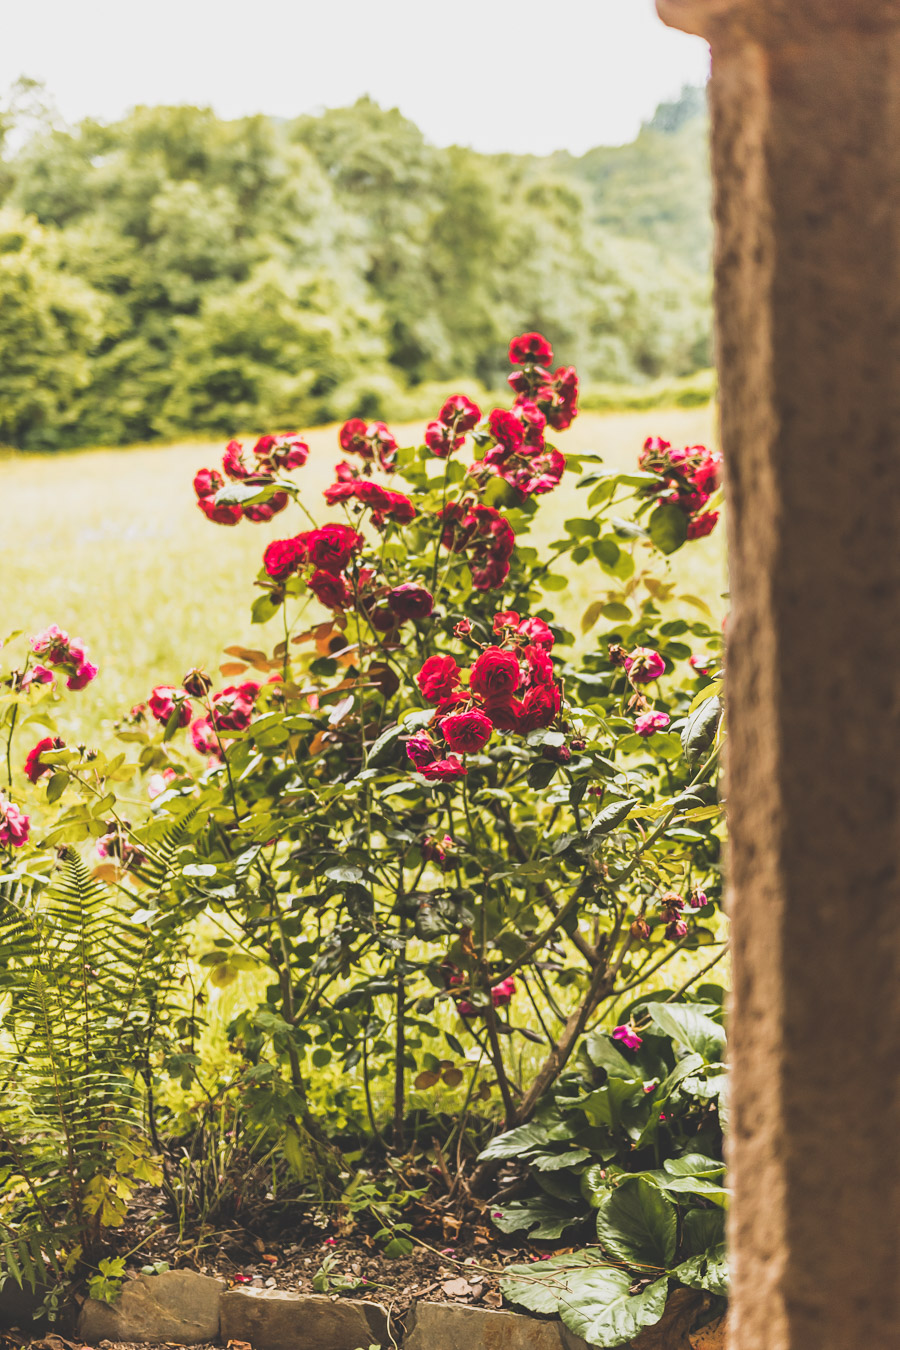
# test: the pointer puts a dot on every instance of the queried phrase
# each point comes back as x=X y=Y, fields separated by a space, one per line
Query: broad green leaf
x=636 y=1223
x=693 y=1165
x=543 y=1286
x=690 y=1028
x=667 y=527
x=612 y=815
x=555 y=1162
x=707 y=1271
x=701 y=1229
x=703 y=1186
x=543 y=1218
x=604 y=1055
x=700 y=728
x=516 y=1142
x=601 y=1309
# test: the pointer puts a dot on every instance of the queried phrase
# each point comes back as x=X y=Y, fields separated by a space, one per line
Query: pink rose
x=530 y=348
x=14 y=826
x=163 y=701
x=648 y=722
x=628 y=1036
x=443 y=770
x=644 y=665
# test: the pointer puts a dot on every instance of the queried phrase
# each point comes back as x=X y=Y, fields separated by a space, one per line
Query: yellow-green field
x=110 y=545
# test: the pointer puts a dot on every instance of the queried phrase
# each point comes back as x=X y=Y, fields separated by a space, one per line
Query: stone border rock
x=180 y=1307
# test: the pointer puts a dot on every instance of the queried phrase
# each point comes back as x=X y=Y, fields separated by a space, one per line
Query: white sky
x=529 y=76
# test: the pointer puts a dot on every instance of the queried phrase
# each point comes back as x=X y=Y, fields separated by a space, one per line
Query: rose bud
x=410 y=601
x=196 y=683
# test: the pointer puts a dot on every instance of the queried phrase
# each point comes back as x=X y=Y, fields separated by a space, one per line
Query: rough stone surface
x=805 y=102
x=277 y=1320
x=179 y=1307
x=446 y=1326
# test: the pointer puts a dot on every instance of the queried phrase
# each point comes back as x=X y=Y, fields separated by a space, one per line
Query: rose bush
x=449 y=830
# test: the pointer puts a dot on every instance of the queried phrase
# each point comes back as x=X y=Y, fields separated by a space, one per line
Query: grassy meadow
x=110 y=545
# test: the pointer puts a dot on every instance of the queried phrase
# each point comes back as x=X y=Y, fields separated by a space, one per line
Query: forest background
x=176 y=273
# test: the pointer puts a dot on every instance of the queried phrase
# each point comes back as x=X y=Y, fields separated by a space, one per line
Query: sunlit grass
x=110 y=545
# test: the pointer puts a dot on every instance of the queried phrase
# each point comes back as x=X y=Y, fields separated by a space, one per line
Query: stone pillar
x=805 y=101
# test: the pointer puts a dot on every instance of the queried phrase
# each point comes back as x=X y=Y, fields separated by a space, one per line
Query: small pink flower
x=628 y=1036
x=14 y=826
x=699 y=899
x=503 y=992
x=644 y=665
x=38 y=675
x=649 y=722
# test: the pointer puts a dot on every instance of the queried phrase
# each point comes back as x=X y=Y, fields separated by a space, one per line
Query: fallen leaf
x=456 y=1288
x=712 y=1337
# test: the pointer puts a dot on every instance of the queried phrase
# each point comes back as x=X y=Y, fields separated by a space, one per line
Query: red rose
x=233 y=706
x=702 y=525
x=331 y=590
x=411 y=601
x=34 y=768
x=533 y=422
x=438 y=678
x=233 y=461
x=353 y=438
x=207 y=482
x=281 y=452
x=539 y=707
x=467 y=732
x=384 y=445
x=537 y=633
x=495 y=674
x=263 y=511
x=506 y=429
x=530 y=349
x=340 y=491
x=460 y=413
x=284 y=556
x=401 y=508
x=420 y=749
x=331 y=546
x=540 y=473
x=443 y=770
x=221 y=515
x=203 y=736
x=371 y=495
x=440 y=439
x=540 y=667
x=163 y=702
x=504 y=712
x=561 y=406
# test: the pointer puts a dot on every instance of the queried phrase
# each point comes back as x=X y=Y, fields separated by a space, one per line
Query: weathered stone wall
x=805 y=105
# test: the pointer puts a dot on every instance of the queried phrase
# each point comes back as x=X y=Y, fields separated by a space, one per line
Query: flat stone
x=179 y=1307
x=273 y=1319
x=452 y=1326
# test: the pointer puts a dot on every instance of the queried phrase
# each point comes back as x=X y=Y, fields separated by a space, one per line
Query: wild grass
x=110 y=545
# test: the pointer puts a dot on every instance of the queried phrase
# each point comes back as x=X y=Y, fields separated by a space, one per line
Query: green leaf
x=542 y=773
x=56 y=787
x=707 y=1271
x=542 y=1217
x=690 y=1028
x=636 y=1223
x=700 y=728
x=702 y=1186
x=602 y=1053
x=612 y=815
x=516 y=1142
x=667 y=527
x=592 y=1299
x=694 y=1165
x=263 y=608
x=544 y=1286
x=701 y=1229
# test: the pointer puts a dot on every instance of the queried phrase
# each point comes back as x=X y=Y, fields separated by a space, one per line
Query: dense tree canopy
x=173 y=271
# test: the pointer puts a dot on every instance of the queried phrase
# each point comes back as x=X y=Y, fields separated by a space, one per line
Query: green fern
x=82 y=989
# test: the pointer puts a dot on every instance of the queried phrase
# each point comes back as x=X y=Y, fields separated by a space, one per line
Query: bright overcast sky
x=529 y=76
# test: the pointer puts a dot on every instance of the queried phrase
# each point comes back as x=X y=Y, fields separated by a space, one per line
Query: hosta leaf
x=707 y=1271
x=542 y=1287
x=542 y=1217
x=636 y=1223
x=592 y=1299
x=690 y=1028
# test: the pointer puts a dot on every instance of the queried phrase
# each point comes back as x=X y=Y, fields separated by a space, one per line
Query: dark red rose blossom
x=440 y=439
x=331 y=590
x=420 y=748
x=533 y=422
x=284 y=556
x=384 y=445
x=505 y=712
x=204 y=737
x=702 y=525
x=411 y=601
x=163 y=703
x=460 y=413
x=207 y=482
x=232 y=707
x=561 y=407
x=34 y=767
x=400 y=509
x=332 y=546
x=352 y=438
x=537 y=633
x=443 y=770
x=438 y=678
x=466 y=732
x=372 y=495
x=233 y=462
x=221 y=515
x=281 y=452
x=540 y=707
x=382 y=619
x=495 y=674
x=485 y=535
x=540 y=666
x=529 y=349
x=341 y=491
x=506 y=429
x=263 y=511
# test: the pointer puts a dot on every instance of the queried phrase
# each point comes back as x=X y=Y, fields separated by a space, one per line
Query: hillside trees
x=219 y=267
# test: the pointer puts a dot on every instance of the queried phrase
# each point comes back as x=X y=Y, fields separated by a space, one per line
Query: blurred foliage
x=174 y=271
